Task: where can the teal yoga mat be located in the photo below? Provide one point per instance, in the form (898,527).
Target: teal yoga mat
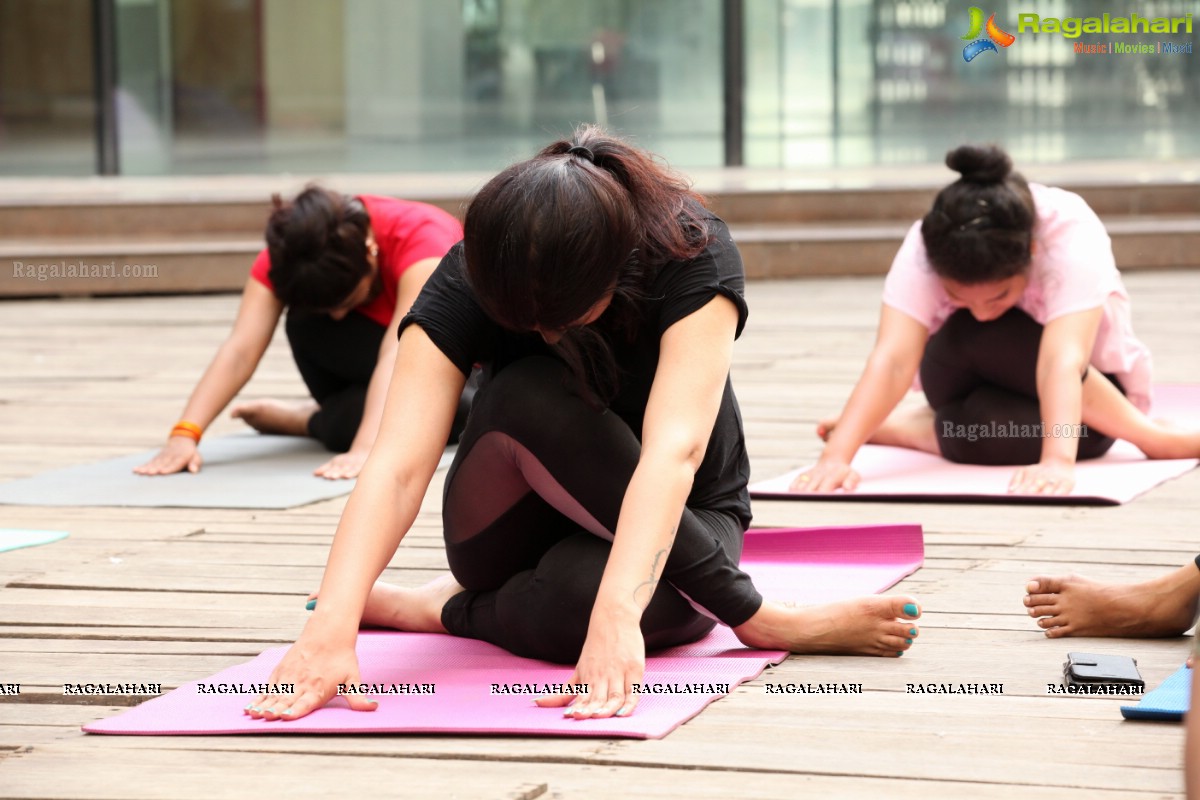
(16,538)
(1167,703)
(240,471)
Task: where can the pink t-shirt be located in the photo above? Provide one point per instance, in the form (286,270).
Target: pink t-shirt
(1072,269)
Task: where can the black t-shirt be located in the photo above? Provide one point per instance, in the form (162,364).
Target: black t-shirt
(448,312)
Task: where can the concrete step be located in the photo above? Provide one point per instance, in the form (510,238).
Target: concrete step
(104,216)
(912,203)
(175,235)
(824,250)
(125,266)
(145,265)
(141,218)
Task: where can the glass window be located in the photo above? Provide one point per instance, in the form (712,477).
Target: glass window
(318,86)
(314,87)
(47,105)
(854,82)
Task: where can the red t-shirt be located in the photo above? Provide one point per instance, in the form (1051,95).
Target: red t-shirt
(406,232)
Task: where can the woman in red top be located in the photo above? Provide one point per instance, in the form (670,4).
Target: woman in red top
(347,269)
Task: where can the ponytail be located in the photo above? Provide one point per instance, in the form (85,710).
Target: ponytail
(586,217)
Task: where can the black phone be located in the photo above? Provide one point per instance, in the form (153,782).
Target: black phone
(1088,671)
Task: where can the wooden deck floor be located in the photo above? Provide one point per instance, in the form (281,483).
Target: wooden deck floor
(171,595)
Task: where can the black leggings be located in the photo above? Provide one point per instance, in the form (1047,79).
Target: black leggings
(336,359)
(530,507)
(981,380)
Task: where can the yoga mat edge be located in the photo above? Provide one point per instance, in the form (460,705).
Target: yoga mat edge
(807,565)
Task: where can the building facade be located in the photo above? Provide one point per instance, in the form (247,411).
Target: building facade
(174,87)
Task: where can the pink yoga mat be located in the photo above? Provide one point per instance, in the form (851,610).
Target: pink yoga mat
(799,564)
(898,474)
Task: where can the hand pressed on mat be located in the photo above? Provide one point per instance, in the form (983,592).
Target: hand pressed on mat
(343,466)
(178,454)
(613,660)
(315,667)
(1046,478)
(826,476)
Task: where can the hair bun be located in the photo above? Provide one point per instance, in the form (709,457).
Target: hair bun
(980,164)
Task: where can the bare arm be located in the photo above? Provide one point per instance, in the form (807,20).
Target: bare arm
(387,497)
(421,401)
(1063,357)
(231,367)
(682,409)
(685,398)
(899,346)
(348,465)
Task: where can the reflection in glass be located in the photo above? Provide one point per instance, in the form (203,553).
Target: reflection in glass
(324,86)
(862,82)
(318,86)
(47,108)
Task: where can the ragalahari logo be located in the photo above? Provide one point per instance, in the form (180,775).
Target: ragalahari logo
(995,35)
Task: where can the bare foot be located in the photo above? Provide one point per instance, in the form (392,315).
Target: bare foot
(864,626)
(414,610)
(909,427)
(275,416)
(1075,606)
(905,427)
(1169,440)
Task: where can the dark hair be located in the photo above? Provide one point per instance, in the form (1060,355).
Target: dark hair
(318,248)
(981,226)
(549,237)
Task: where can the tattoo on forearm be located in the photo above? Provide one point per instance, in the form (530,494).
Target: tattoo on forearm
(644,591)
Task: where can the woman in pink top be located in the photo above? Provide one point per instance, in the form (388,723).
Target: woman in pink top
(346,269)
(1007,300)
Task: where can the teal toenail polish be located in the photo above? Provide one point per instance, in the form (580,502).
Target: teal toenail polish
(310,605)
(912,632)
(910,609)
(908,641)
(899,652)
(289,712)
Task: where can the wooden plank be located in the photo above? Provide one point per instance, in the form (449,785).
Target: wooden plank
(166,773)
(89,647)
(68,770)
(138,633)
(168,595)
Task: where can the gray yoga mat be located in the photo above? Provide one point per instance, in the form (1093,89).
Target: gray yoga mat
(241,471)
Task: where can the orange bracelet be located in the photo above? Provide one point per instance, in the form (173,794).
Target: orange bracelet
(188,429)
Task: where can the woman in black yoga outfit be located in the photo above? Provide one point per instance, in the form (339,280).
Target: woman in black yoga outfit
(604,451)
